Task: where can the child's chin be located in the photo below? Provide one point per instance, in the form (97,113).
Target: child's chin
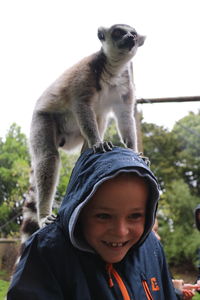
(114,259)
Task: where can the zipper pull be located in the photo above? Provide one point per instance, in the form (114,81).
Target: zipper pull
(122,287)
(110,281)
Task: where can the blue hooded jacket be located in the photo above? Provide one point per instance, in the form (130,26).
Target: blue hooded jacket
(57,264)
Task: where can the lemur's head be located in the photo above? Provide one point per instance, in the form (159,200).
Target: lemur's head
(120,40)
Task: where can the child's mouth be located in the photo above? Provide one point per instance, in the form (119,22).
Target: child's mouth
(115,245)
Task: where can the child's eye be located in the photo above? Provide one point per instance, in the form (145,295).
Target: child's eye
(103,216)
(136,216)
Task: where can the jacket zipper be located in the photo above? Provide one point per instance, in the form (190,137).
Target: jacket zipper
(111,271)
(147,290)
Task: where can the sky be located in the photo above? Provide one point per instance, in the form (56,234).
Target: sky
(42,38)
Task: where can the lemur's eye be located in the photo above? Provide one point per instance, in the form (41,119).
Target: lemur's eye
(118,33)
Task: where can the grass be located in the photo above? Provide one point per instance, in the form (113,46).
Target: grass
(3,289)
(196,297)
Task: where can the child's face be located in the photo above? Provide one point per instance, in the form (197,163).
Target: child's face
(114,219)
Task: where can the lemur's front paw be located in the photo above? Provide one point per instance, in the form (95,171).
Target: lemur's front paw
(102,147)
(145,159)
(47,220)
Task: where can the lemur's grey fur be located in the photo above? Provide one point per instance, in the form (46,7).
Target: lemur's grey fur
(74,110)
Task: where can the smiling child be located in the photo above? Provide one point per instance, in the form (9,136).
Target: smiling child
(101,246)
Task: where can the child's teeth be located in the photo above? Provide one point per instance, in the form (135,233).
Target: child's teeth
(115,244)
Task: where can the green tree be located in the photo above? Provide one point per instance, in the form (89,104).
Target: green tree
(162,148)
(187,132)
(14,174)
(180,238)
(174,159)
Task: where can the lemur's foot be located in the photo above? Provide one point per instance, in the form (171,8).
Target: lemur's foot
(145,158)
(102,147)
(47,220)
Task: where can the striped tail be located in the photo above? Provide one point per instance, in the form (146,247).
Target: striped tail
(30,220)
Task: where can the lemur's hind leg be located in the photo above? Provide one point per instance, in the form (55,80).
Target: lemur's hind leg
(46,174)
(46,163)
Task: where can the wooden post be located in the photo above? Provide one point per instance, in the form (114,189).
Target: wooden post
(138,130)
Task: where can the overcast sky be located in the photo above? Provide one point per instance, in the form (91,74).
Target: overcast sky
(41,38)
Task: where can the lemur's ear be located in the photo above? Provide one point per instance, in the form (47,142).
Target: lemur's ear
(141,39)
(101,33)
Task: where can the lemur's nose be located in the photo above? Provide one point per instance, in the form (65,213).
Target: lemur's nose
(130,36)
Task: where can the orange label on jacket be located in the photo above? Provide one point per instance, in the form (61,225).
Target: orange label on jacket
(154,284)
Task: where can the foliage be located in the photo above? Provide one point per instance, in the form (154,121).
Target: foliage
(180,238)
(3,289)
(187,132)
(175,160)
(161,147)
(14,165)
(14,173)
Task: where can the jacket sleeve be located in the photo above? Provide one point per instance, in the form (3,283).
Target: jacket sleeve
(33,279)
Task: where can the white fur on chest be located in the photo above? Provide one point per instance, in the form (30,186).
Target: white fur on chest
(112,94)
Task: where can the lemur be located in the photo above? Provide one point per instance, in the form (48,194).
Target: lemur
(75,110)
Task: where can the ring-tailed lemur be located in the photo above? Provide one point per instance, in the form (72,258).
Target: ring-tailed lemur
(74,110)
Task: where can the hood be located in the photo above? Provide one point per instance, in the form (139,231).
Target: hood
(90,171)
(197,216)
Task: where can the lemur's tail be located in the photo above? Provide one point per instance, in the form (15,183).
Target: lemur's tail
(30,219)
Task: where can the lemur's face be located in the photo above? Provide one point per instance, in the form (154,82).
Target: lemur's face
(124,37)
(120,39)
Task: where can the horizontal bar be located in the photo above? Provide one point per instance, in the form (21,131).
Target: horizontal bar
(167,100)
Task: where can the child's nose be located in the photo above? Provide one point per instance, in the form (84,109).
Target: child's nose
(120,228)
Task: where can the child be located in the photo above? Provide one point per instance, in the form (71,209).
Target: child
(101,246)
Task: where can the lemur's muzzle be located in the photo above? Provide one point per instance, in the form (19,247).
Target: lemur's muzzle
(127,42)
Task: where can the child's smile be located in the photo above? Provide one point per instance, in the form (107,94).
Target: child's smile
(114,219)
(115,244)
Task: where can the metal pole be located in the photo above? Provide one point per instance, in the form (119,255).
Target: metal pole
(167,100)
